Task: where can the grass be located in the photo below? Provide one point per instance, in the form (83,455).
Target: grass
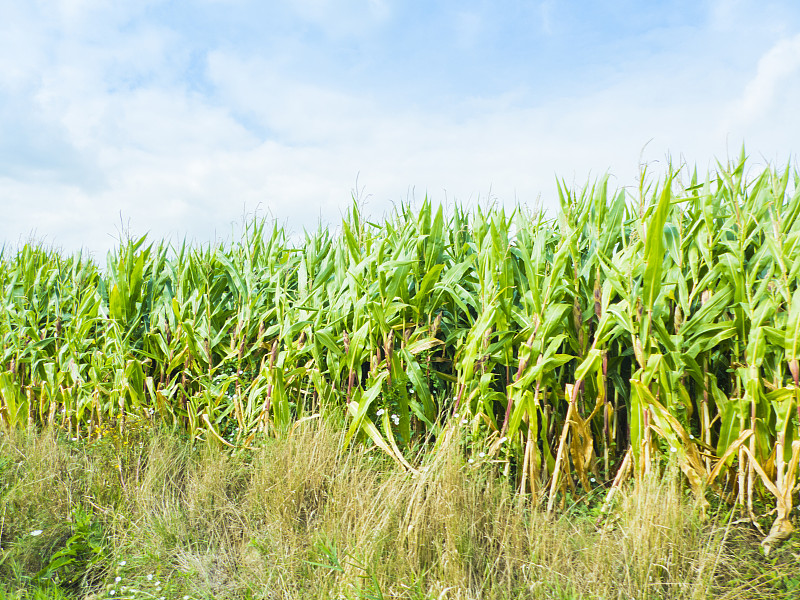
(299,517)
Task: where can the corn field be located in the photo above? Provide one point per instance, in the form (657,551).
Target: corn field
(637,327)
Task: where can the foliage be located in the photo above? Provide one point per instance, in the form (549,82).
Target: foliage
(299,517)
(73,566)
(632,327)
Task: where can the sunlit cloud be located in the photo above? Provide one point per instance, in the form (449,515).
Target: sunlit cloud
(777,70)
(179,120)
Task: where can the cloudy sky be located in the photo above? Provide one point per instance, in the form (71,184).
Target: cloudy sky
(176,118)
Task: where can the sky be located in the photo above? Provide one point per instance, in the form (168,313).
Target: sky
(181,120)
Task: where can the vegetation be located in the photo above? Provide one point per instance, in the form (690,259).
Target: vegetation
(298,518)
(634,331)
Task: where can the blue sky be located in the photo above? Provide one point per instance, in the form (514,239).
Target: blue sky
(177,118)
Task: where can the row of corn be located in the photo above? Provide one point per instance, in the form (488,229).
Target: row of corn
(659,323)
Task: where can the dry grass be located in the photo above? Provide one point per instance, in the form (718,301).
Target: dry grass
(299,518)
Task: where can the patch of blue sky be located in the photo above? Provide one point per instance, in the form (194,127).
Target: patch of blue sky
(431,54)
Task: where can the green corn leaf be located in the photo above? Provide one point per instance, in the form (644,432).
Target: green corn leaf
(589,364)
(792,336)
(654,247)
(361,403)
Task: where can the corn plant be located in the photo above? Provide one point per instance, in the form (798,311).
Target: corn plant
(631,329)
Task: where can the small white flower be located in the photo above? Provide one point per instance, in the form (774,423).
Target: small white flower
(380,412)
(482,454)
(503,439)
(241,372)
(691,437)
(395,419)
(673,449)
(186,598)
(149,577)
(122,563)
(36,532)
(112,592)
(592,480)
(117,579)
(463,421)
(471,460)
(74,439)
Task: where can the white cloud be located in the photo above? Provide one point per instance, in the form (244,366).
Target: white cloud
(319,139)
(295,111)
(177,163)
(23,48)
(126,135)
(762,112)
(777,70)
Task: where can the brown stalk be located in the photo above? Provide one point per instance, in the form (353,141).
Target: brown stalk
(572,391)
(621,472)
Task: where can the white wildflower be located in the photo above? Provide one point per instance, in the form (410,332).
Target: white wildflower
(36,532)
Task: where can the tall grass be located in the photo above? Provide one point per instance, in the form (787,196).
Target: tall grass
(632,327)
(299,518)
